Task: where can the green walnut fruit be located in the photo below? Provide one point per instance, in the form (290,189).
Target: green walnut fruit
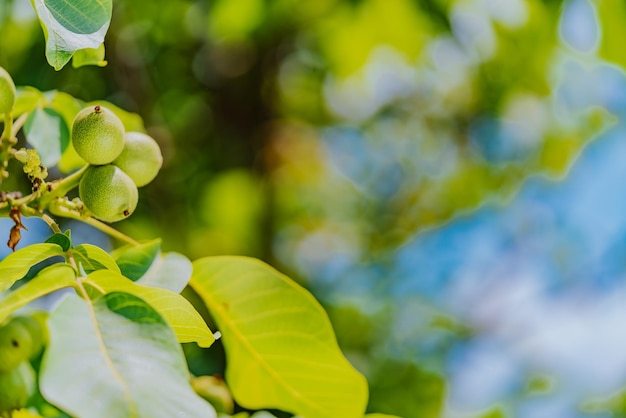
(15,345)
(215,391)
(108,193)
(97,135)
(16,387)
(7,91)
(141,158)
(37,331)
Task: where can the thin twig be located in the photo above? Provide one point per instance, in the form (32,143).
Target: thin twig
(18,123)
(67,213)
(109,230)
(51,223)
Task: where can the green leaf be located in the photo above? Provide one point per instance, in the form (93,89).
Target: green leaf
(170,271)
(61,240)
(26,100)
(93,258)
(116,357)
(375,415)
(89,56)
(70,26)
(134,261)
(47,281)
(181,316)
(281,349)
(68,107)
(47,132)
(15,266)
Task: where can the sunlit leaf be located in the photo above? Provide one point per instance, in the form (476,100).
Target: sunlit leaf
(15,266)
(26,100)
(47,281)
(47,132)
(94,258)
(116,357)
(186,322)
(67,105)
(170,271)
(281,349)
(72,25)
(89,56)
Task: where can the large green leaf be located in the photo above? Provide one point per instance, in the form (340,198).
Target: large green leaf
(15,266)
(281,349)
(116,357)
(186,322)
(170,271)
(47,281)
(71,25)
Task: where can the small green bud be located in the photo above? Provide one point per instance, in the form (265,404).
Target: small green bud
(21,156)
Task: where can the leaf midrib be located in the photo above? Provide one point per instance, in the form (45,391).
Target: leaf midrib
(107,358)
(218,310)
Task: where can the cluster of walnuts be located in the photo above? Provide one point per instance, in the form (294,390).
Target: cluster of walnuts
(120,162)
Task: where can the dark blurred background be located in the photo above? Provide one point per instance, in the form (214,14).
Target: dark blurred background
(446,176)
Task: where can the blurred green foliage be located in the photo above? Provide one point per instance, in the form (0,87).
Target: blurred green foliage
(346,125)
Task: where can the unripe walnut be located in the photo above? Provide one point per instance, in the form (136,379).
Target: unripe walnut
(36,330)
(15,345)
(7,91)
(108,193)
(214,390)
(16,386)
(141,158)
(97,135)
